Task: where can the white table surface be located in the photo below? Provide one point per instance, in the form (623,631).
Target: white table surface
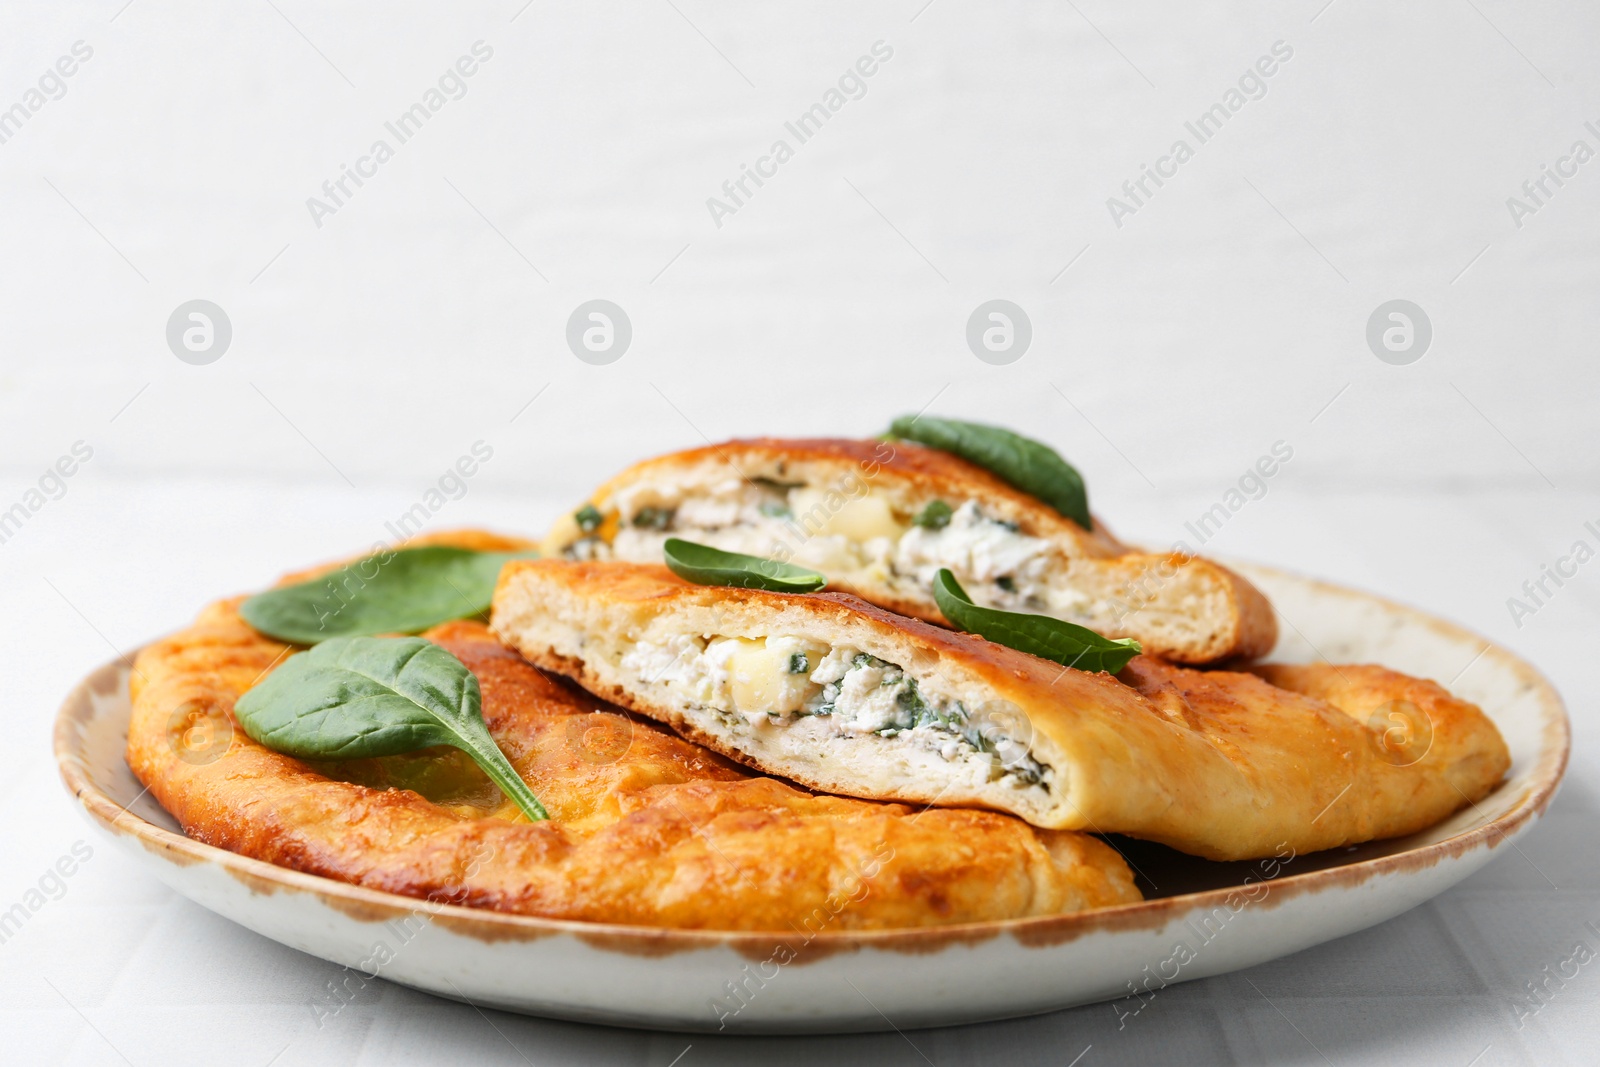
(120,965)
(1168,354)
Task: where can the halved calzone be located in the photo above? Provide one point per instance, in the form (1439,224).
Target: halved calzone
(880,518)
(843,696)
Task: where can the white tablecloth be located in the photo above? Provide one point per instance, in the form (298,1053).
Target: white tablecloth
(1171,347)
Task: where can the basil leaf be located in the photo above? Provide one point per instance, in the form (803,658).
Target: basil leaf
(1029,465)
(411,590)
(705,565)
(1061,642)
(356,697)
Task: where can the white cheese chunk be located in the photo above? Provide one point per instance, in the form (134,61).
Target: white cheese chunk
(769,676)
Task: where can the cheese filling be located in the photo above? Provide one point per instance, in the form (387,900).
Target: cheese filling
(846,535)
(793,693)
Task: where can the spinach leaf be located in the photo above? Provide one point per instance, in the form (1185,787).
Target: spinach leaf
(399,591)
(356,697)
(1029,465)
(705,565)
(1038,635)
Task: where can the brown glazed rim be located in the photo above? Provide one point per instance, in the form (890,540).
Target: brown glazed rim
(370,905)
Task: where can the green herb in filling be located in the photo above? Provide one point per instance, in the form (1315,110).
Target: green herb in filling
(588,518)
(936,516)
(799,663)
(653,518)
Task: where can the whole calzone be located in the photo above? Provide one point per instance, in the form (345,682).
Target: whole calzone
(645,828)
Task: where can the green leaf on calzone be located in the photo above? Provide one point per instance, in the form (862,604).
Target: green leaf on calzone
(1061,642)
(705,565)
(1031,466)
(396,591)
(359,697)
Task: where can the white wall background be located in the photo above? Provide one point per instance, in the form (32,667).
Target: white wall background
(367,354)
(406,327)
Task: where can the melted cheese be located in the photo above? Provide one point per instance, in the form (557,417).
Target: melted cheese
(858,518)
(760,678)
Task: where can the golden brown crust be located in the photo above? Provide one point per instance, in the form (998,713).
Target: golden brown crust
(1216,763)
(1255,628)
(645,828)
(1347,752)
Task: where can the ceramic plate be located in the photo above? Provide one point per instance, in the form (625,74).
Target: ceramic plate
(1200,918)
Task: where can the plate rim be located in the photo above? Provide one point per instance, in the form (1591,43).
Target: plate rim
(374,905)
